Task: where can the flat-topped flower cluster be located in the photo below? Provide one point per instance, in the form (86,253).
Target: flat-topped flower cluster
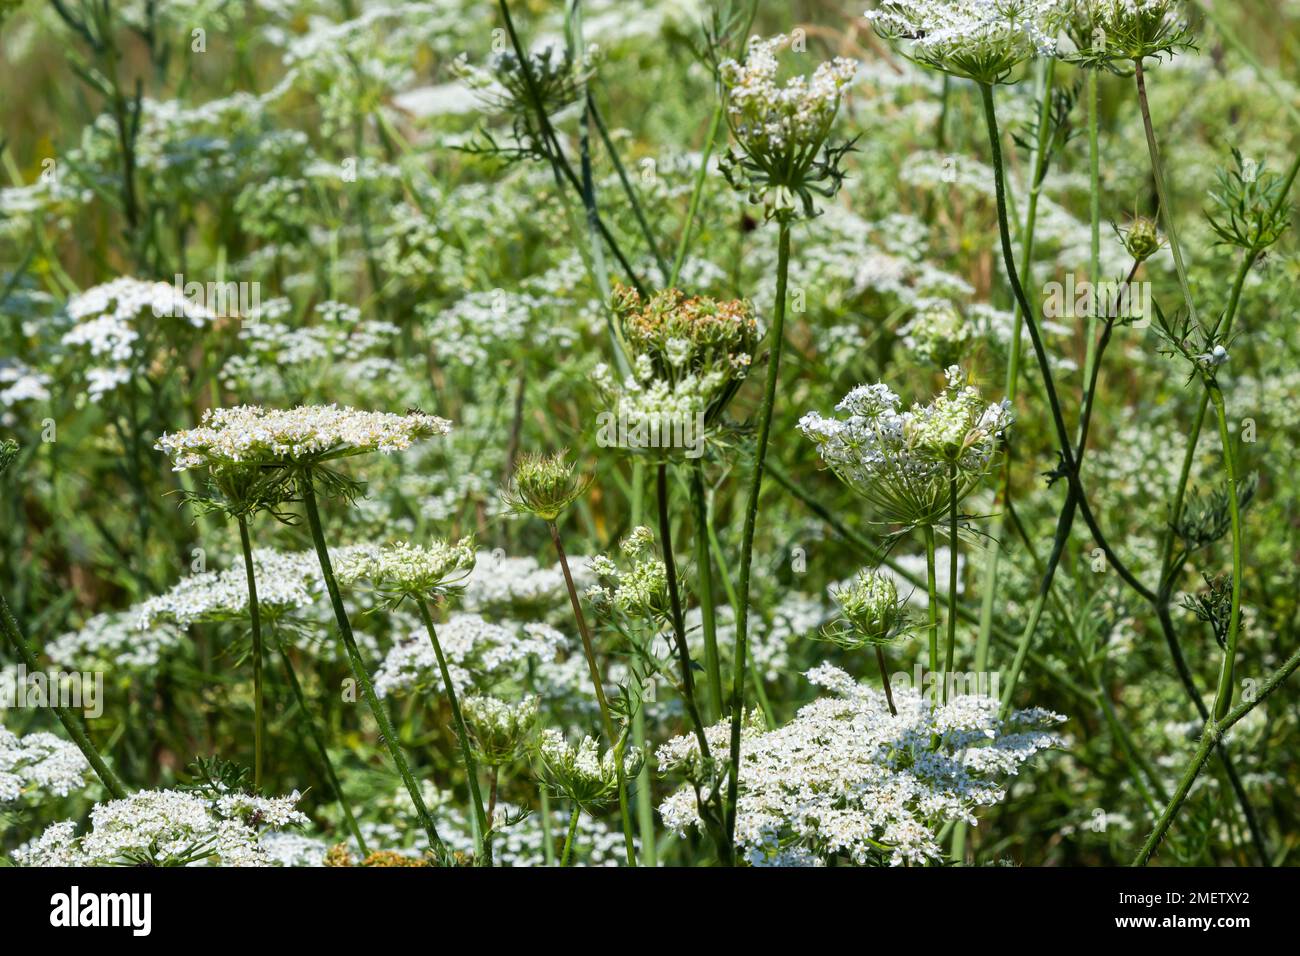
(845,778)
(981,40)
(252,435)
(39,764)
(167,828)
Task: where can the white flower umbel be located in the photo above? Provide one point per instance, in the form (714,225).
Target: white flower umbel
(477,651)
(414,570)
(847,779)
(287,581)
(902,461)
(980,40)
(781,129)
(582,773)
(166,828)
(114,642)
(309,434)
(108,326)
(499,730)
(38,765)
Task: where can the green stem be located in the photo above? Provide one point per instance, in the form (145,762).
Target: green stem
(1162,192)
(1213,733)
(1223,698)
(675,605)
(359,671)
(952,576)
(462,734)
(569,840)
(606,721)
(255,616)
(697,191)
(78,734)
(932,593)
(644,805)
(751,517)
(314,732)
(712,669)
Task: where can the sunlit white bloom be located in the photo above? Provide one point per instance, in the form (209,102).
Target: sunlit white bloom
(39,764)
(249,434)
(845,778)
(903,462)
(477,650)
(166,828)
(982,40)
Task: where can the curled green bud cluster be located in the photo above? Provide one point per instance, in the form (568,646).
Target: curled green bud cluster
(8,453)
(500,732)
(871,613)
(544,486)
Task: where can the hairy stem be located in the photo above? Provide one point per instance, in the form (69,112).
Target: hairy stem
(484,855)
(751,518)
(255,616)
(359,671)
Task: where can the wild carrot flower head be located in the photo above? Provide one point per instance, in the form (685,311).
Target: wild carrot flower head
(938,334)
(846,778)
(870,612)
(407,570)
(638,588)
(306,435)
(903,462)
(500,732)
(782,129)
(583,774)
(690,355)
(544,486)
(980,40)
(168,828)
(1111,34)
(39,765)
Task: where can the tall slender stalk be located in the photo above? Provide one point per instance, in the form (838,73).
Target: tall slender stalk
(1162,191)
(607,722)
(932,600)
(952,577)
(588,650)
(675,604)
(1210,738)
(751,517)
(78,734)
(1223,697)
(255,617)
(295,686)
(359,671)
(484,855)
(645,814)
(704,569)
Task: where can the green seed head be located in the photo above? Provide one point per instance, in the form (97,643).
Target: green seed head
(544,485)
